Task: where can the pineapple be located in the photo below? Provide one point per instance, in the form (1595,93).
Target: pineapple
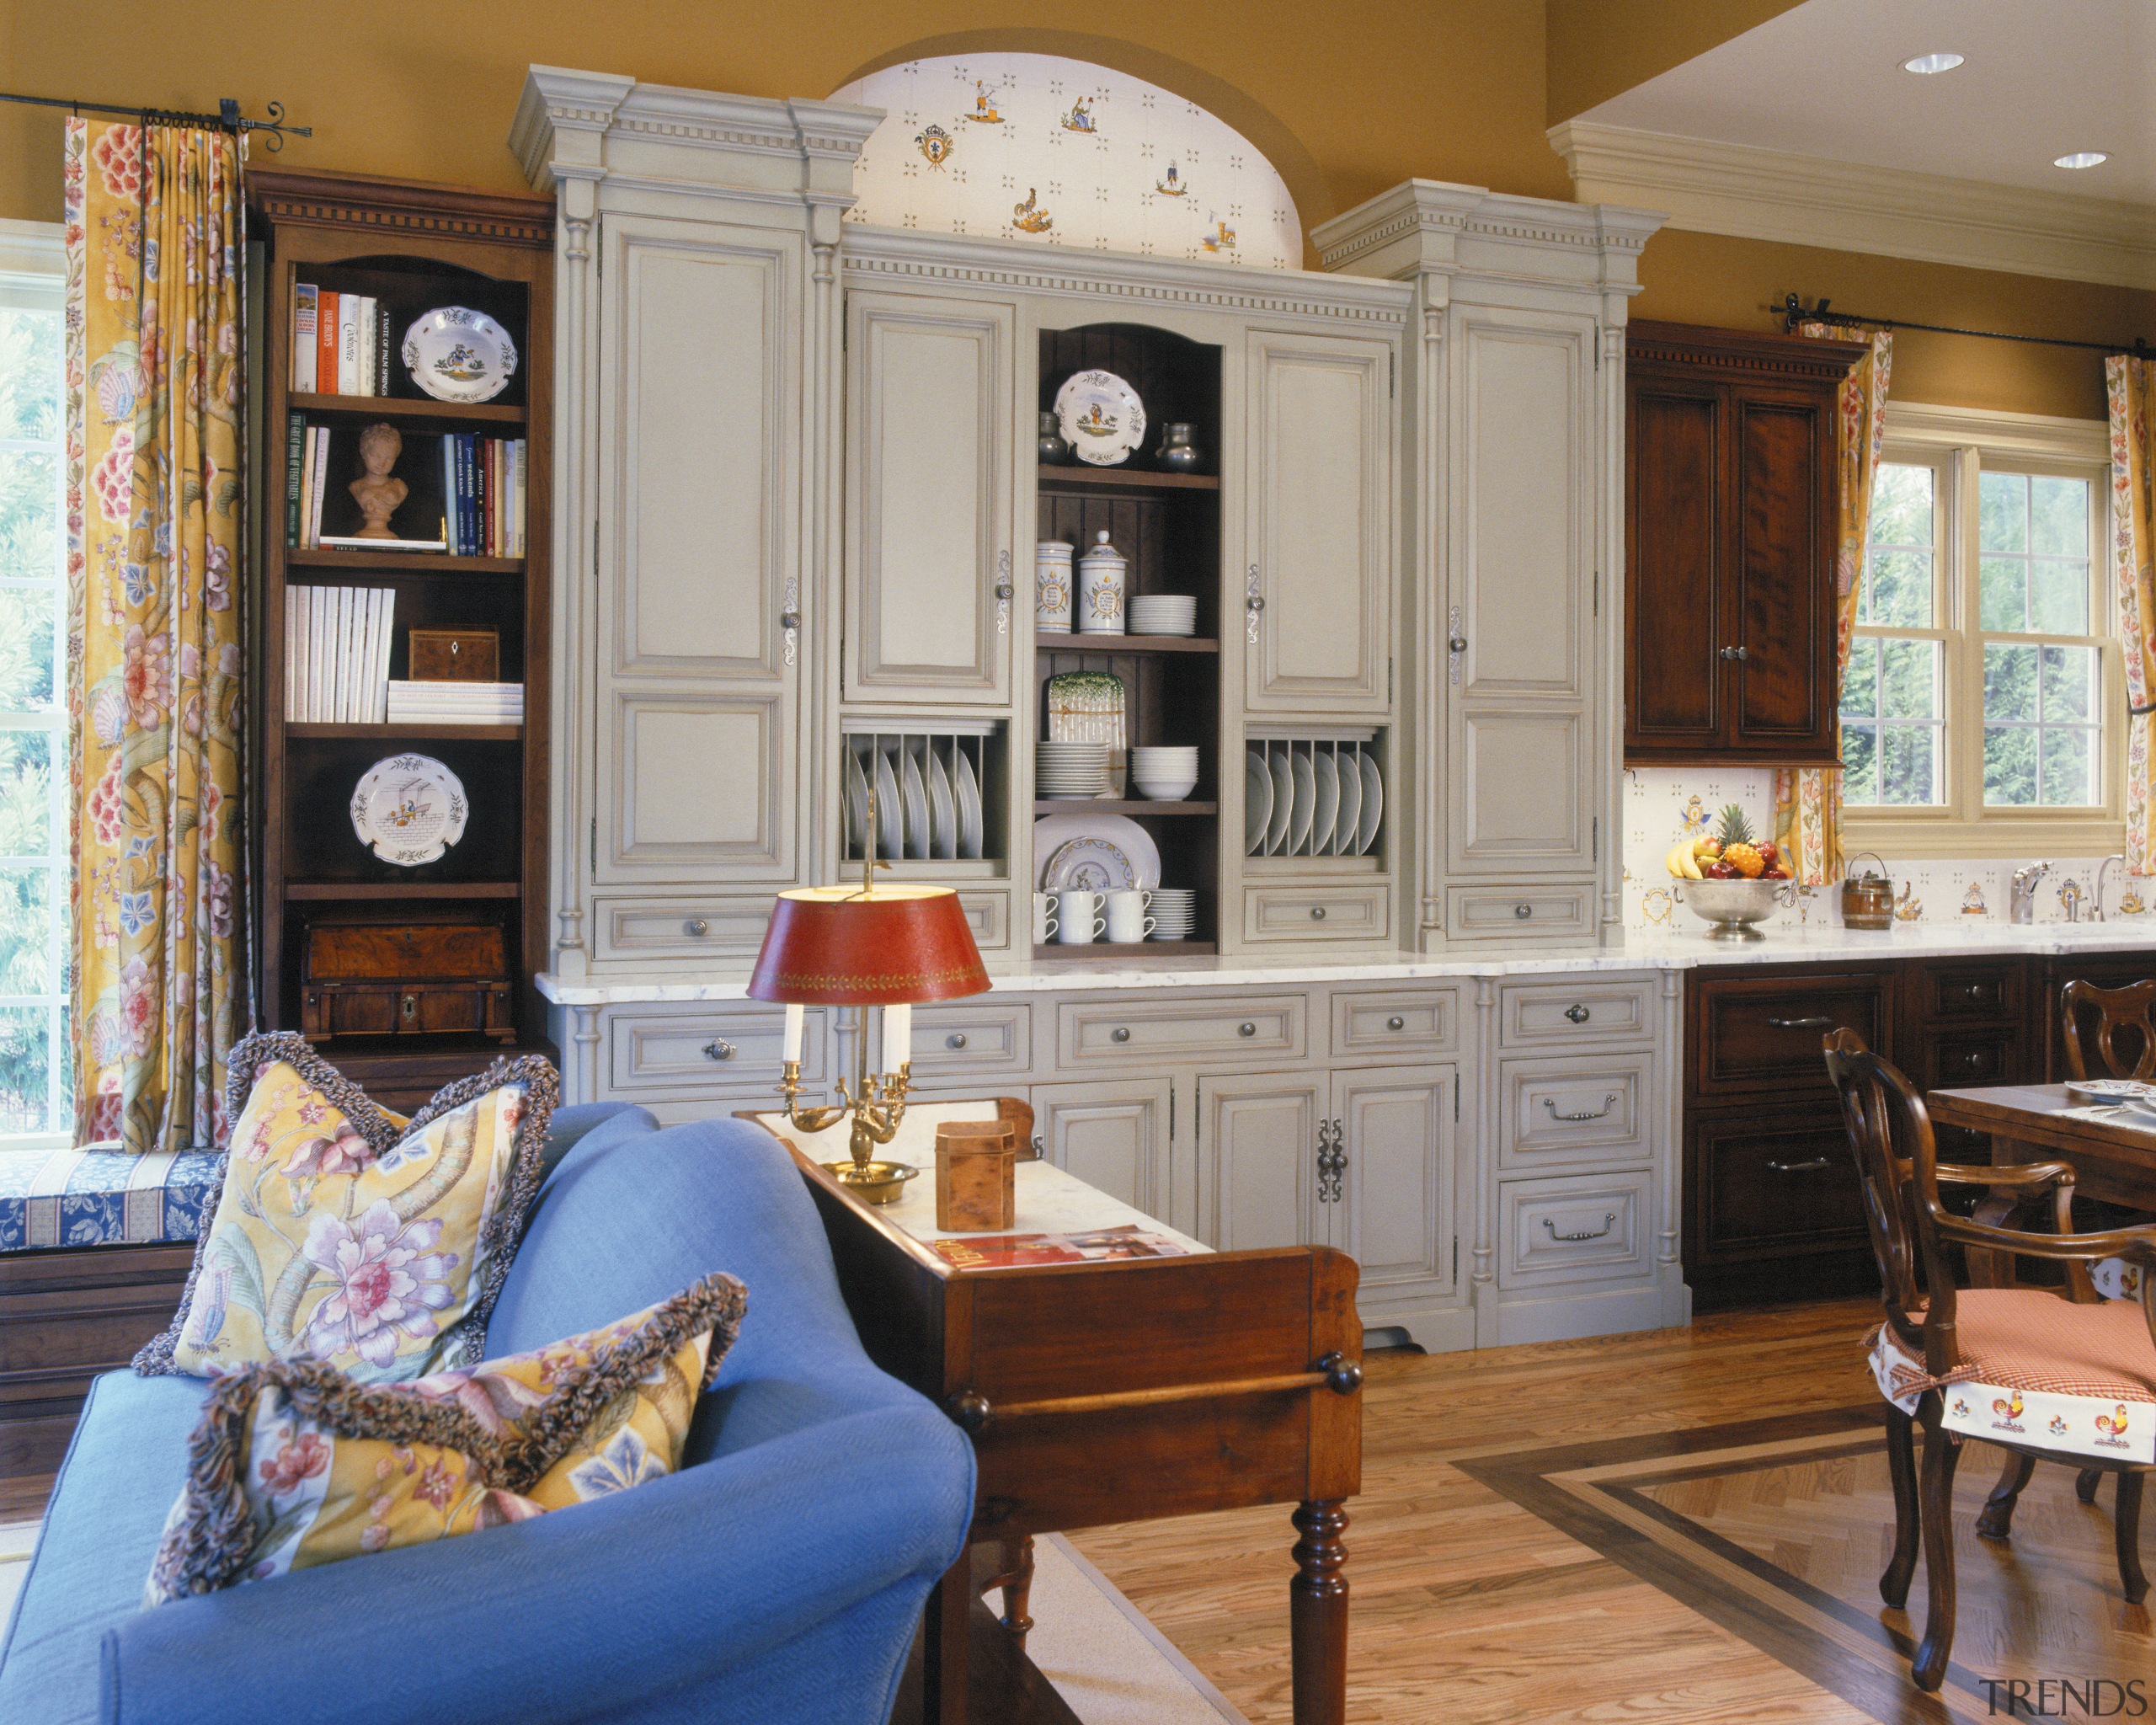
(1738,849)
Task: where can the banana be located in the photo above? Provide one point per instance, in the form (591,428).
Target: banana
(1674,862)
(1692,869)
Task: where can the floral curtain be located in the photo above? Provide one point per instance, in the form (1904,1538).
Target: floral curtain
(154,521)
(2129,385)
(1808,799)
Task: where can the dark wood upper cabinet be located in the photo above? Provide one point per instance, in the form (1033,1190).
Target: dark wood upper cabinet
(1731,498)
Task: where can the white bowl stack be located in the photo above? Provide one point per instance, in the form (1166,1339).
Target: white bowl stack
(1175,913)
(1162,614)
(1072,770)
(1165,775)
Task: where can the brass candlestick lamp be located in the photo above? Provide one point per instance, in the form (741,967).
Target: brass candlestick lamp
(887,946)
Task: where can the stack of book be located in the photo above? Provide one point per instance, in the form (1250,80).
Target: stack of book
(457,703)
(337,653)
(482,483)
(340,343)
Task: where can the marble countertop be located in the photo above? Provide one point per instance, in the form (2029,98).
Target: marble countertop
(1674,950)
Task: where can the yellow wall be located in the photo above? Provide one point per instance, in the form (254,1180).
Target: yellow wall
(1348,96)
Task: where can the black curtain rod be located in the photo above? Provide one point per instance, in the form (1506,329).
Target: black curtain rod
(226,119)
(1794,312)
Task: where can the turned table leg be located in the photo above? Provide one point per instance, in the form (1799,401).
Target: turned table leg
(944,1675)
(1013,1571)
(1317,1618)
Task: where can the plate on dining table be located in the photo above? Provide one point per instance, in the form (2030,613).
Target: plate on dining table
(2112,1092)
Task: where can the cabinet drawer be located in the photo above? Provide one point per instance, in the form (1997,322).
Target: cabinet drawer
(680,928)
(1767,1033)
(1952,1061)
(1533,1015)
(1097,1033)
(1422,1020)
(1317,913)
(700,1047)
(1982,993)
(1579,1110)
(1519,913)
(994,1038)
(989,916)
(1590,1228)
(1784,1182)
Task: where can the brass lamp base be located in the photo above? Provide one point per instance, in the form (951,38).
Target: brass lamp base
(872,1182)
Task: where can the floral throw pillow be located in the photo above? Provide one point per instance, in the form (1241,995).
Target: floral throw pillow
(345,1234)
(294,1464)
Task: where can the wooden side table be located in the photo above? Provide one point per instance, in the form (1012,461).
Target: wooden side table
(1104,1393)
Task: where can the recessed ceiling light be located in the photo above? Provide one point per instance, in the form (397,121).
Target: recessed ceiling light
(1926,64)
(2082,159)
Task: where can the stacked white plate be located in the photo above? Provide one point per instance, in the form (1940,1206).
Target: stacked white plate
(1162,614)
(1071,769)
(1174,912)
(1166,775)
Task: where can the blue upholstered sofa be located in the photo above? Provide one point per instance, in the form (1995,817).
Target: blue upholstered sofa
(778,1577)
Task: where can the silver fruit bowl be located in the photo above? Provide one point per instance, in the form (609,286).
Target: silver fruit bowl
(1731,907)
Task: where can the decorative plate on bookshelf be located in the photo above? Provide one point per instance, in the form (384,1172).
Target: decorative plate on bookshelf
(409,809)
(456,354)
(1100,416)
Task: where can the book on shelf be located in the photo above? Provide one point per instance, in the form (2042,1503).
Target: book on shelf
(347,343)
(319,466)
(455,703)
(482,496)
(325,342)
(341,342)
(304,297)
(295,474)
(339,541)
(337,653)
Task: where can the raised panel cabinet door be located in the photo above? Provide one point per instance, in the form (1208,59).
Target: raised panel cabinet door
(1257,1154)
(1114,1136)
(1673,624)
(1318,515)
(1784,566)
(1391,1205)
(931,608)
(698,552)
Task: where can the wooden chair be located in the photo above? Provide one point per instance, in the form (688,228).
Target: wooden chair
(1971,1363)
(2132,1007)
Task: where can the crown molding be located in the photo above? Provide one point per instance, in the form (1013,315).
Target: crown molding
(1435,226)
(1709,187)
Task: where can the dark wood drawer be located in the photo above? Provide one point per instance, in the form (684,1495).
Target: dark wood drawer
(1775,1183)
(1766,1034)
(1944,994)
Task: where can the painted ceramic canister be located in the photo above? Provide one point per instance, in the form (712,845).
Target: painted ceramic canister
(1101,588)
(1052,585)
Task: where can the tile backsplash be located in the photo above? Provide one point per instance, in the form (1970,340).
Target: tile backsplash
(1662,805)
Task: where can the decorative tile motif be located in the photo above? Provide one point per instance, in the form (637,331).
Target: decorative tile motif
(1068,153)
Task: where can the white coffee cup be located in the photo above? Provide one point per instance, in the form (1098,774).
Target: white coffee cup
(1078,917)
(1045,922)
(1126,920)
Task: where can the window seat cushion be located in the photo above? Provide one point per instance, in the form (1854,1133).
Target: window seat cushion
(103,1196)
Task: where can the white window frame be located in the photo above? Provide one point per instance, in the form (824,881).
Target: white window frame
(34,275)
(1956,442)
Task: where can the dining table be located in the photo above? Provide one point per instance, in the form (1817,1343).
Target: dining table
(2113,1149)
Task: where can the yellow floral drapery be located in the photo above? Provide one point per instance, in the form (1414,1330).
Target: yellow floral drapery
(154,506)
(1808,799)
(2130,388)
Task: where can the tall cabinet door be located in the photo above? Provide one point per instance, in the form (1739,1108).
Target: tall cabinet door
(930,611)
(1112,1135)
(1520,677)
(1257,1148)
(699,553)
(1674,630)
(1317,523)
(1783,561)
(1393,1207)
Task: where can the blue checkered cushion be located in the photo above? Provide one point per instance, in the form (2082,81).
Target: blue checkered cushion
(102,1197)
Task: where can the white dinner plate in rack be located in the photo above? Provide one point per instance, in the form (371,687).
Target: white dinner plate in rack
(890,812)
(1257,802)
(944,807)
(1349,826)
(856,804)
(1305,805)
(1326,824)
(918,836)
(1052,832)
(1284,802)
(1373,805)
(969,811)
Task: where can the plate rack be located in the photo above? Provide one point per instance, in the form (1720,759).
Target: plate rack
(1302,803)
(948,776)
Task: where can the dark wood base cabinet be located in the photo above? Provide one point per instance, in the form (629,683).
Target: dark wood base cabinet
(1771,1201)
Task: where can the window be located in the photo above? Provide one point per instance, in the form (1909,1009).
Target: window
(35,1069)
(1981,710)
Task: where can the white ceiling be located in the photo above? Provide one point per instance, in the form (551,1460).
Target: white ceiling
(2041,77)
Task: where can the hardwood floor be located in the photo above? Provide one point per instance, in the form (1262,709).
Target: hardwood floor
(1467,1607)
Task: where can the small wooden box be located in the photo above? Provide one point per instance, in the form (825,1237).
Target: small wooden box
(455,656)
(388,979)
(975,1176)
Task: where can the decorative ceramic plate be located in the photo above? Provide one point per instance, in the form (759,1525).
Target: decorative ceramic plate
(409,809)
(1257,803)
(1106,838)
(456,353)
(2110,1090)
(1373,805)
(1101,417)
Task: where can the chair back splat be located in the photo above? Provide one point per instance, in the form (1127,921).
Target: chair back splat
(2085,1009)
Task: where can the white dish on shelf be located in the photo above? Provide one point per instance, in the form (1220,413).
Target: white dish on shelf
(1306,805)
(410,810)
(1283,801)
(1372,804)
(1326,824)
(856,804)
(890,812)
(1100,418)
(919,838)
(944,807)
(969,811)
(456,354)
(1348,828)
(1117,833)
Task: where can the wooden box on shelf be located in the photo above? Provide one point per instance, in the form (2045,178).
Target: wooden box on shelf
(454,656)
(384,978)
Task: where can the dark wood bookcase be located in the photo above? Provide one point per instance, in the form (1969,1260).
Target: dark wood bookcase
(413,247)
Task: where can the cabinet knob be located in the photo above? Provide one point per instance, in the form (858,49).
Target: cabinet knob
(1004,590)
(1120,1033)
(1317,913)
(1974,1060)
(1458,643)
(1395,1023)
(721,1050)
(697,926)
(789,619)
(1577,1013)
(1974,991)
(957,1039)
(1524,911)
(1245,1029)
(1736,653)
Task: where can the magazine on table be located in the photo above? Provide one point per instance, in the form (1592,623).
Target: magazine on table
(996,1251)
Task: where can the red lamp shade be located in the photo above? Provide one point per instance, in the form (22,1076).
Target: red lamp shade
(843,946)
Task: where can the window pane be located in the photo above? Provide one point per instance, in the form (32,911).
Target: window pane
(25,1060)
(1898,590)
(2011,766)
(26,683)
(29,515)
(2058,595)
(26,932)
(1908,763)
(30,375)
(2002,512)
(25,794)
(1908,682)
(2058,516)
(2002,594)
(2010,683)
(1901,505)
(2069,766)
(2068,683)
(1859,762)
(1861,679)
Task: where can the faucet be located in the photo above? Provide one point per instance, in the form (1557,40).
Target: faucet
(2022,903)
(2069,898)
(2096,912)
